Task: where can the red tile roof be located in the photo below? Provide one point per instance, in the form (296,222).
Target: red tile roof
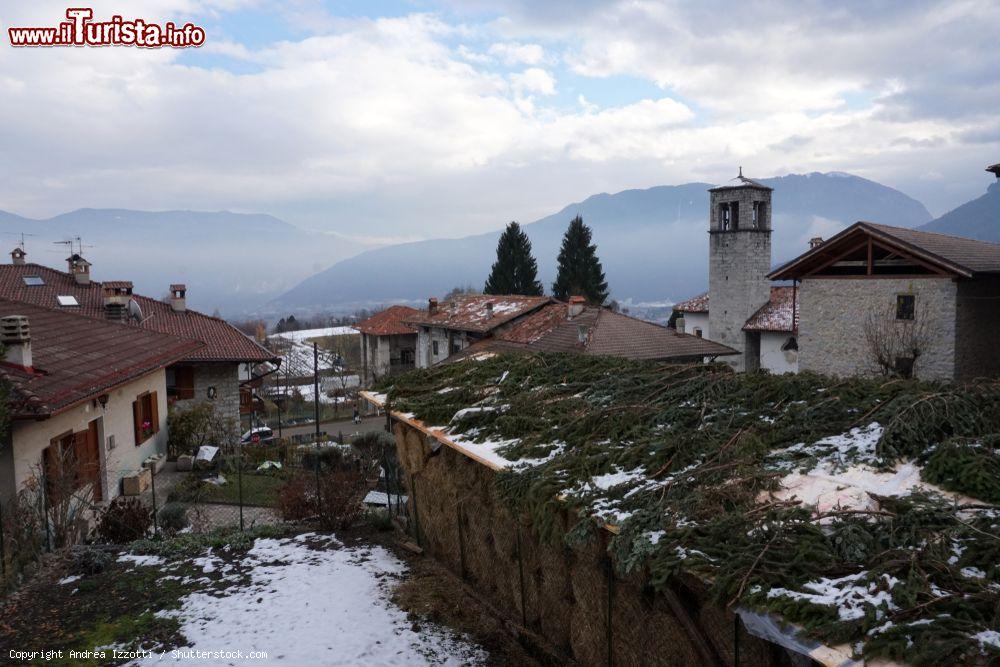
(76,358)
(390,321)
(471,312)
(599,331)
(781,313)
(697,304)
(222,341)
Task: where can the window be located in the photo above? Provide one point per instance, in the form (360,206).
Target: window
(32,281)
(790,344)
(65,300)
(904,367)
(734,213)
(905,304)
(146,417)
(180,382)
(434,348)
(724,220)
(697,332)
(71,462)
(758,214)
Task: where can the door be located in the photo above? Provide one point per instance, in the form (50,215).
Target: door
(89,459)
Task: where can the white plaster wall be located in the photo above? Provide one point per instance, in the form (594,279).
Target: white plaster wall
(29,438)
(773,358)
(694,321)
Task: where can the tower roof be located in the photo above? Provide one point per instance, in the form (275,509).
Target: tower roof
(740,181)
(995,168)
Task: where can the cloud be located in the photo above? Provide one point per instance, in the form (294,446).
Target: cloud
(421,126)
(514,53)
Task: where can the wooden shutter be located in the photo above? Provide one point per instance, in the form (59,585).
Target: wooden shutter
(137,421)
(154,412)
(184,382)
(82,468)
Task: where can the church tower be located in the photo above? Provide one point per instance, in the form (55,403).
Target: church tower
(738,264)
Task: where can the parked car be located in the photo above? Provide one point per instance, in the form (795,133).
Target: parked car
(264,432)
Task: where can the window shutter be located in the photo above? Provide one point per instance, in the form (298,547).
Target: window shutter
(154,412)
(83,470)
(137,421)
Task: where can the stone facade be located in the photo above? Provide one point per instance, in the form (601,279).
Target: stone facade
(739,261)
(977,328)
(447,343)
(834,312)
(383,355)
(224,377)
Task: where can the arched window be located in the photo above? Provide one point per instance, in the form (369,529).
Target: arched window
(790,344)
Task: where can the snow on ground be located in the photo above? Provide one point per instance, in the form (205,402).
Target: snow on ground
(850,598)
(311,600)
(310,334)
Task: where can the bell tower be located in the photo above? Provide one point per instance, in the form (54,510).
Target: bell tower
(739,261)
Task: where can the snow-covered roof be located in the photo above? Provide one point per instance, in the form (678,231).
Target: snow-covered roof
(781,313)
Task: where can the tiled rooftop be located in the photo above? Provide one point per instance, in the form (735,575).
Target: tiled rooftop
(76,358)
(222,341)
(471,312)
(391,321)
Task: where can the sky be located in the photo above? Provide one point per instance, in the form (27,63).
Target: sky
(403,119)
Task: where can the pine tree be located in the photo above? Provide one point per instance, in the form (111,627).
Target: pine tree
(580,272)
(515,271)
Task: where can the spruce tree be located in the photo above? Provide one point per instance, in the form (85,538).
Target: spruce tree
(580,272)
(515,271)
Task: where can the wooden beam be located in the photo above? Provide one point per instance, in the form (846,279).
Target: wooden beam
(870,262)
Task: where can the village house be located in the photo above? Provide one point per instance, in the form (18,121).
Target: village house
(388,343)
(85,392)
(575,327)
(210,373)
(872,299)
(444,330)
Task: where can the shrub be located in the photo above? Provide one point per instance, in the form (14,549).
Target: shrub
(87,559)
(173,517)
(126,519)
(297,497)
(190,428)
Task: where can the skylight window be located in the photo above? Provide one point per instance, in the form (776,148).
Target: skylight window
(67,300)
(33,280)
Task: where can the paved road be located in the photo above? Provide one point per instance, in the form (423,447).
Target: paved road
(332,428)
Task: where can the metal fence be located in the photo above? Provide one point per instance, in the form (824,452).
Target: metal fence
(331,482)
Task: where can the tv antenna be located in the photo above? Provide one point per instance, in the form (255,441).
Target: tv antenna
(74,245)
(21,235)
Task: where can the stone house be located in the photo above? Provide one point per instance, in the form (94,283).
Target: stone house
(575,327)
(444,330)
(741,308)
(82,392)
(210,373)
(388,343)
(876,298)
(872,299)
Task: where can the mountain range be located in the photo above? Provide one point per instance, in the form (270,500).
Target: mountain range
(232,262)
(652,243)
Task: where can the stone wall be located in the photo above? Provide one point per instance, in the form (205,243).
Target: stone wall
(832,323)
(225,378)
(570,601)
(977,329)
(737,284)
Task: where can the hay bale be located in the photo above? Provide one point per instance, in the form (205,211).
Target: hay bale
(588,619)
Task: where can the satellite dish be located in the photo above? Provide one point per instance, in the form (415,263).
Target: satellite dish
(134,311)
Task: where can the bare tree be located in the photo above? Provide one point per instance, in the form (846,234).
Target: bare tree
(895,344)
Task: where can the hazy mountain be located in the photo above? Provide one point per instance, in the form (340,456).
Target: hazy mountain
(653,243)
(977,219)
(230,261)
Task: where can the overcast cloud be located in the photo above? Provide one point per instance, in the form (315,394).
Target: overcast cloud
(420,119)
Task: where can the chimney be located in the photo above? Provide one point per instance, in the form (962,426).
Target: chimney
(178,300)
(80,268)
(16,338)
(432,306)
(116,295)
(575,307)
(489,309)
(679,324)
(17,256)
(815,242)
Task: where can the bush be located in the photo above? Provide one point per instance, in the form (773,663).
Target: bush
(126,519)
(173,517)
(86,559)
(297,498)
(190,428)
(328,457)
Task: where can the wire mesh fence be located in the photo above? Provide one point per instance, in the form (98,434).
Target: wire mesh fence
(329,482)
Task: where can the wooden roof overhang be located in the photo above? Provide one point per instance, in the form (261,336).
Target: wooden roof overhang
(864,251)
